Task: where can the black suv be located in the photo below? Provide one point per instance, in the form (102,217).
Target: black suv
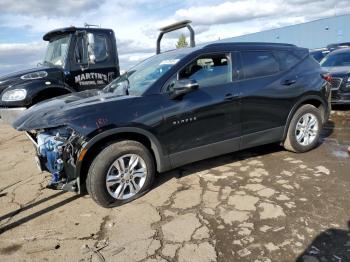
(177,108)
(337,64)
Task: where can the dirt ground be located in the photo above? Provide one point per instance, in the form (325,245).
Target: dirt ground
(262,204)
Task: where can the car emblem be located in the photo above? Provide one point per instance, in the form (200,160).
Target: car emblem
(185,121)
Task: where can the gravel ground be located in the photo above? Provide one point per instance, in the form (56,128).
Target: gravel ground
(262,204)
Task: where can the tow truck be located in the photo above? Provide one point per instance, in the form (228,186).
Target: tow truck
(76,59)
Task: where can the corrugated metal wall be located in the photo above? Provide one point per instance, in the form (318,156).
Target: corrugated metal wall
(313,34)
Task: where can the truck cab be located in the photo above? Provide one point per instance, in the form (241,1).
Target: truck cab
(76,59)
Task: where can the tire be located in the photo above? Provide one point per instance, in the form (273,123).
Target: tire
(304,114)
(107,165)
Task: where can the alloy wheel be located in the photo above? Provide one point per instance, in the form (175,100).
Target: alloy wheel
(126,176)
(307,129)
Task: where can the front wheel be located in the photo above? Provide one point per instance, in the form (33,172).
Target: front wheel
(304,129)
(120,173)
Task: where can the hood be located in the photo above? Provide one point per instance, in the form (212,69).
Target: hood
(66,110)
(338,70)
(15,78)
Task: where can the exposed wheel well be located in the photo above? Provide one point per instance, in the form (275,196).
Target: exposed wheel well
(315,102)
(101,144)
(49,93)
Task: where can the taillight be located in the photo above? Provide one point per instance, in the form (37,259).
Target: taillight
(327,77)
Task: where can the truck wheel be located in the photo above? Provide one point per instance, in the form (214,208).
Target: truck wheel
(120,173)
(304,129)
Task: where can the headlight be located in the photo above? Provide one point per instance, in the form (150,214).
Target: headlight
(34,75)
(14,95)
(347,86)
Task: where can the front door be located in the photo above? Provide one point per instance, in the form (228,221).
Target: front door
(205,122)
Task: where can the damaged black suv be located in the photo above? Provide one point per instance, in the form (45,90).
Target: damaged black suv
(177,108)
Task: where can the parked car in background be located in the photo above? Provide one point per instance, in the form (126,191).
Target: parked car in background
(332,47)
(337,63)
(319,53)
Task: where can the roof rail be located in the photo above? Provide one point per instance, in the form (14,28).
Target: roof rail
(173,27)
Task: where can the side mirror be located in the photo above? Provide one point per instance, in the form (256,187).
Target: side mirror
(183,87)
(90,39)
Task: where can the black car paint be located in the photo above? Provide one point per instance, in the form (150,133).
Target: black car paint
(204,123)
(61,80)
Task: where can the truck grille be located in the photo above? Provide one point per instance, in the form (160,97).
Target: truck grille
(336,83)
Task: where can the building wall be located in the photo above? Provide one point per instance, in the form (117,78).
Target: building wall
(313,34)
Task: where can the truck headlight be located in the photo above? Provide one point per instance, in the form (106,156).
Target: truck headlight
(34,75)
(14,95)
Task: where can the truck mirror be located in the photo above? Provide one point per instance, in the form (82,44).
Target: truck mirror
(91,48)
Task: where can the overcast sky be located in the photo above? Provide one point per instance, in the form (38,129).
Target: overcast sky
(135,22)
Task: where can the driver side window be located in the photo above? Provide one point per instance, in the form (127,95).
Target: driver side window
(207,70)
(100,49)
(80,51)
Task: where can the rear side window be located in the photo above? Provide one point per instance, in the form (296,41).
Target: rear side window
(259,63)
(100,48)
(287,59)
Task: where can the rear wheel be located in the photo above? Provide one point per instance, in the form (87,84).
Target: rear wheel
(304,129)
(120,173)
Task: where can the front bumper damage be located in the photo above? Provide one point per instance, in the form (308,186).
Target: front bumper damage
(57,151)
(9,115)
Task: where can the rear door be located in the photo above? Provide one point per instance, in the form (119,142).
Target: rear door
(267,91)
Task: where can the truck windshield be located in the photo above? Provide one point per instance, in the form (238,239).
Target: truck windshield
(56,50)
(140,77)
(339,59)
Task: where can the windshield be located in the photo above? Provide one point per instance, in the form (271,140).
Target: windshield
(56,50)
(339,59)
(139,78)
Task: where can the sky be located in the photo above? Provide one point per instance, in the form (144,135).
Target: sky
(136,22)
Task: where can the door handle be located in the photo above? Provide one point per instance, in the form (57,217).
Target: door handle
(230,96)
(289,82)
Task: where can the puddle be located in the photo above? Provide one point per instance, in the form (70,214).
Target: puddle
(340,153)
